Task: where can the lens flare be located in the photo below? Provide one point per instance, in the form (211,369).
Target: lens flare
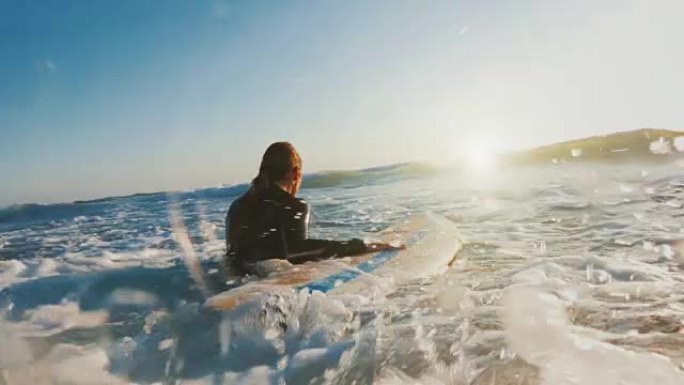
(476,154)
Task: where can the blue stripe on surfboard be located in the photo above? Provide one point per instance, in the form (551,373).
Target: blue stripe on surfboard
(330,282)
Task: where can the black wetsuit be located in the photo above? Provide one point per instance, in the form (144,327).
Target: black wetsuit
(274,224)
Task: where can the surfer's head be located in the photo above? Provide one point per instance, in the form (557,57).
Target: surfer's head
(280,165)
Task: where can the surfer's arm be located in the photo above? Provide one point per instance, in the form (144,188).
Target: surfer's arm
(301,248)
(317,249)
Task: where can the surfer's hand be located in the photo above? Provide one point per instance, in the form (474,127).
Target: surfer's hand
(377,246)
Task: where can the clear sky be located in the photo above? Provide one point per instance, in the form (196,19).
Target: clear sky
(103,98)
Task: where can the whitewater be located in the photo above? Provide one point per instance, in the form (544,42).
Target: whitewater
(571,274)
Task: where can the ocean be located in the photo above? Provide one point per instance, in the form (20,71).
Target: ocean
(571,274)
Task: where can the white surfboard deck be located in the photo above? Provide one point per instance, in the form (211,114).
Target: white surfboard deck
(431,240)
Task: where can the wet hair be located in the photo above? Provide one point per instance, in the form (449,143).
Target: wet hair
(280,159)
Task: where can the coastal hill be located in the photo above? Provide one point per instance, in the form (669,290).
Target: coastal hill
(647,144)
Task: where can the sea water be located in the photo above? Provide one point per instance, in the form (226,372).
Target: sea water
(571,274)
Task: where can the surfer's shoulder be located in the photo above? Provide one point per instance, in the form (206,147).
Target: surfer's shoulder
(238,207)
(237,203)
(299,204)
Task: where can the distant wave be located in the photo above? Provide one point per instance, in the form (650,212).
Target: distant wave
(31,212)
(369,175)
(40,212)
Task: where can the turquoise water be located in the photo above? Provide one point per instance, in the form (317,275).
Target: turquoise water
(572,274)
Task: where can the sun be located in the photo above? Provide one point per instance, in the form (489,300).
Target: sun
(477,154)
(480,158)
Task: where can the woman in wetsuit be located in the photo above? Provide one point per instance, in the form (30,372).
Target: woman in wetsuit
(269,222)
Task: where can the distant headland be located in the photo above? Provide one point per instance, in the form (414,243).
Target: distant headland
(647,144)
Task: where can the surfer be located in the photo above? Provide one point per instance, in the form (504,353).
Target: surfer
(270,222)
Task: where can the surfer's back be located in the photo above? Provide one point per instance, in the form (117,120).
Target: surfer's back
(260,225)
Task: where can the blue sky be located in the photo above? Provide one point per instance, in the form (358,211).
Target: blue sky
(103,98)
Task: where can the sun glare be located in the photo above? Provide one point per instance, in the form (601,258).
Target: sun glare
(477,154)
(477,158)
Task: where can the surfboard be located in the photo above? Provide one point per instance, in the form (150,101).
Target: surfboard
(431,241)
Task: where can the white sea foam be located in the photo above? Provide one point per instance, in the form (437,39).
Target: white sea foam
(55,318)
(538,329)
(10,272)
(65,364)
